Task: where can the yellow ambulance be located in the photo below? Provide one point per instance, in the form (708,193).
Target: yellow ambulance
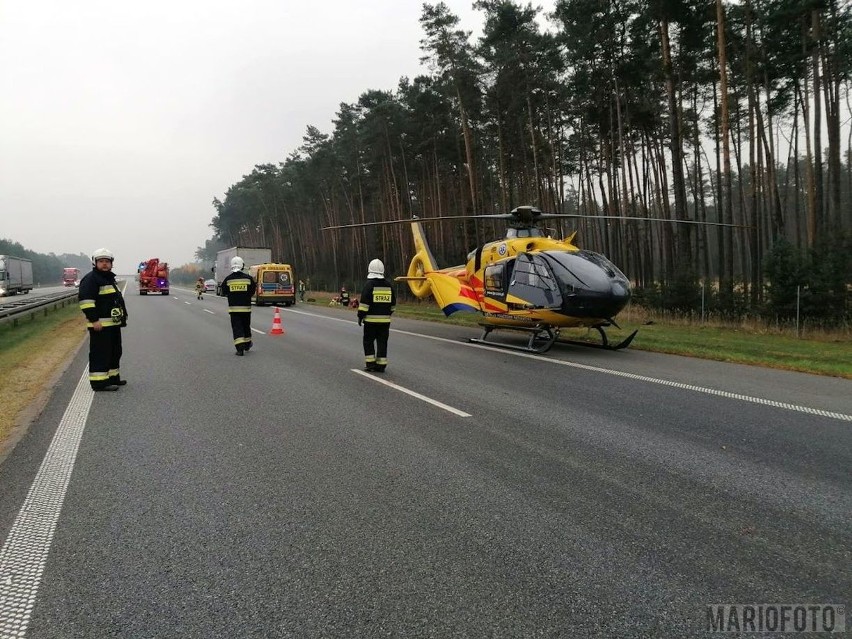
(275,284)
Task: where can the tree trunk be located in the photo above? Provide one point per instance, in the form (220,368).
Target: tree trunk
(676,146)
(726,284)
(468,151)
(818,183)
(534,147)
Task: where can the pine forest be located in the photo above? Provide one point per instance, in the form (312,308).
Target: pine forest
(732,112)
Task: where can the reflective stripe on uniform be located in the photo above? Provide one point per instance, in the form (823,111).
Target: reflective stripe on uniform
(239,309)
(107,290)
(98,377)
(106,321)
(382,361)
(382,294)
(378,319)
(113,372)
(238,285)
(370,359)
(242,340)
(363,307)
(84,304)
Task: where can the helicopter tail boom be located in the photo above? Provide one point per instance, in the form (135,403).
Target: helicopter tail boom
(451,292)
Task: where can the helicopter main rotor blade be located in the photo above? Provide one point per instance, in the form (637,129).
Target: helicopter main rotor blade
(532,221)
(496,216)
(628,218)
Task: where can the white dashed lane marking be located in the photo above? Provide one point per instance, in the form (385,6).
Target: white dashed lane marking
(407,391)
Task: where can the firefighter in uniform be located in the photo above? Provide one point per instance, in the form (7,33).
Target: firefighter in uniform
(378,301)
(106,314)
(239,287)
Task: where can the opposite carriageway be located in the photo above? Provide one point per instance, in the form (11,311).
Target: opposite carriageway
(15,310)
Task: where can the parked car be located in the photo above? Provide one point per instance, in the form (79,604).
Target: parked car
(210,286)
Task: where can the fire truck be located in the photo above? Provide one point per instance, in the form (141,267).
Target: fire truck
(70,276)
(153,277)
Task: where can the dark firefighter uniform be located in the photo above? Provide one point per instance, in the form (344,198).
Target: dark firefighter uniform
(239,287)
(378,301)
(100,300)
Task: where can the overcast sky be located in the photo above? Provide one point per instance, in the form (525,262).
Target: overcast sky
(120,122)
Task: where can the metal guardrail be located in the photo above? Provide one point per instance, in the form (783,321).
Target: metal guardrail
(15,311)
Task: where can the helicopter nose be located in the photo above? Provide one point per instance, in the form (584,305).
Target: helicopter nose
(621,290)
(604,301)
(593,286)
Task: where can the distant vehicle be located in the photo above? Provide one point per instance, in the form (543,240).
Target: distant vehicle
(71,277)
(274,284)
(153,277)
(210,286)
(251,256)
(16,275)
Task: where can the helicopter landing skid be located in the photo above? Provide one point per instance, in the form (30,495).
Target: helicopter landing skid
(604,341)
(541,339)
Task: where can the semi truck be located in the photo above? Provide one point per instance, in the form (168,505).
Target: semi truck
(250,255)
(154,277)
(70,276)
(16,275)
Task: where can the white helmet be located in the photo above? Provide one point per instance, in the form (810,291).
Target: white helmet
(237,264)
(375,270)
(102,253)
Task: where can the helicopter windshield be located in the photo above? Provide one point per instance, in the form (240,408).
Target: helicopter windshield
(531,279)
(512,233)
(585,271)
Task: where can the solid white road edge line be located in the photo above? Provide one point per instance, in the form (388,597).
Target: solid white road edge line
(211,312)
(434,402)
(24,553)
(257,331)
(608,371)
(652,380)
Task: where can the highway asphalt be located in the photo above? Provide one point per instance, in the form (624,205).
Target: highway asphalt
(467,492)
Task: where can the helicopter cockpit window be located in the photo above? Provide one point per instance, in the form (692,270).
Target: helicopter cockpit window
(512,234)
(494,280)
(585,271)
(532,281)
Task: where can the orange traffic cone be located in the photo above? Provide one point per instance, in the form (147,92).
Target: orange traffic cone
(277,328)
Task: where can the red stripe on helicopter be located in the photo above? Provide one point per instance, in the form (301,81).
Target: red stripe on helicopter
(493,308)
(467,291)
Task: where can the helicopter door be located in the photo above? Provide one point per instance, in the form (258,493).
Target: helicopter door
(530,279)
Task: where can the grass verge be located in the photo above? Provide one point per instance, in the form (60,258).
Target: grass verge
(744,346)
(823,354)
(30,354)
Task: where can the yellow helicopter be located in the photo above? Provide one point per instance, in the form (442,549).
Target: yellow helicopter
(526,282)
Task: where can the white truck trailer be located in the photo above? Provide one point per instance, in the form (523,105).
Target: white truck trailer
(251,256)
(16,275)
